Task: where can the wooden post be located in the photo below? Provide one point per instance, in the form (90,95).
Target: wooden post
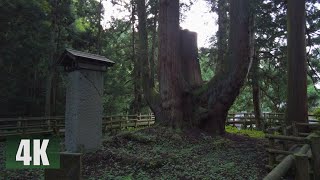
(295,129)
(126,125)
(149,119)
(49,124)
(110,122)
(284,132)
(315,149)
(55,128)
(272,158)
(281,170)
(302,166)
(19,124)
(23,124)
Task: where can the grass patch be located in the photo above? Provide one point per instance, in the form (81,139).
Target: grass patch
(247,132)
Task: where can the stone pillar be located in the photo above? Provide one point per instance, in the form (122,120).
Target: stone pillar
(83,116)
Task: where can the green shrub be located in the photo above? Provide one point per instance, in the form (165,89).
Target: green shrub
(316,113)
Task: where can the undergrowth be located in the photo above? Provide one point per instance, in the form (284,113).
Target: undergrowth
(163,153)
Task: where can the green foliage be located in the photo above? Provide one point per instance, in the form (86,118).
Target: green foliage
(247,132)
(206,64)
(316,112)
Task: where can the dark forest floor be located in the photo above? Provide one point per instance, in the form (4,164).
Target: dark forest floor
(161,153)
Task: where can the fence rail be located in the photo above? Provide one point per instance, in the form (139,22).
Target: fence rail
(55,125)
(303,157)
(47,125)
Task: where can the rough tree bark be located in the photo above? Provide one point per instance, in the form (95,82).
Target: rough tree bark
(297,109)
(169,63)
(136,104)
(190,78)
(224,87)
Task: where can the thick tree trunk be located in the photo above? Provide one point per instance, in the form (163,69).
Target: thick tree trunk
(189,59)
(191,76)
(153,46)
(297,109)
(225,87)
(169,63)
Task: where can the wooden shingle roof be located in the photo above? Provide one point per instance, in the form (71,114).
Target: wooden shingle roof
(71,54)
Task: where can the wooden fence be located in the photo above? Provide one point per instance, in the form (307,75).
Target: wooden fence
(55,125)
(48,125)
(294,153)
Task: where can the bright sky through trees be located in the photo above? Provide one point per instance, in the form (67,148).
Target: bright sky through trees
(198,18)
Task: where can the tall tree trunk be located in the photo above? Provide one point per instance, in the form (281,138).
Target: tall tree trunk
(169,63)
(256,91)
(153,46)
(150,94)
(222,36)
(297,109)
(137,101)
(225,87)
(255,74)
(50,87)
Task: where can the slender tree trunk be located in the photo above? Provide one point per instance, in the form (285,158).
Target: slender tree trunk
(99,27)
(256,92)
(51,63)
(254,74)
(137,101)
(150,94)
(222,36)
(297,110)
